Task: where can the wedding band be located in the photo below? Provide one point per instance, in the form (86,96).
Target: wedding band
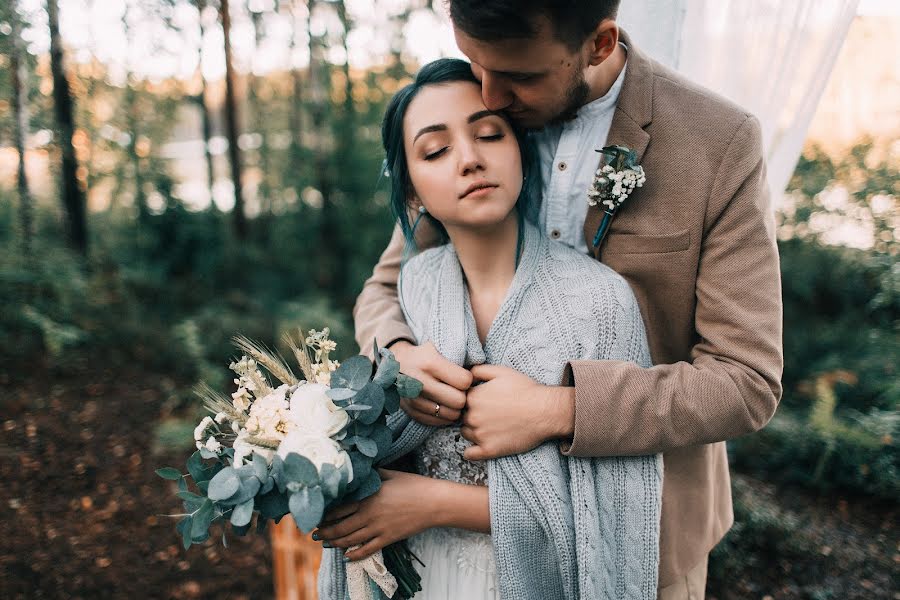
(437,410)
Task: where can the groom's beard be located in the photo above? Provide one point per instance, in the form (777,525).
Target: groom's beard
(576,97)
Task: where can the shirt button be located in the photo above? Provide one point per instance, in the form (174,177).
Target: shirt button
(554,233)
(562,166)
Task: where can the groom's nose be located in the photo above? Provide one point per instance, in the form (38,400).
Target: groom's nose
(494,91)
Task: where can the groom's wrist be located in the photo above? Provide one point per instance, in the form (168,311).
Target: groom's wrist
(561,412)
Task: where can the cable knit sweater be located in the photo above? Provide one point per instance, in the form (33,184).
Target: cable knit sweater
(562,527)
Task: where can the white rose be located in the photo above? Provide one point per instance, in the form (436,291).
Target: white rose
(314,412)
(320,450)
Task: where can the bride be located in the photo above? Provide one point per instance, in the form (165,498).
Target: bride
(541,524)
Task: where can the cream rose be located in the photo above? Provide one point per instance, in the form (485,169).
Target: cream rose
(319,449)
(314,412)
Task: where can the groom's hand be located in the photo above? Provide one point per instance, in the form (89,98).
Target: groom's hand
(511,413)
(444,384)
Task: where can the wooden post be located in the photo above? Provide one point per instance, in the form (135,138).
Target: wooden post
(296,558)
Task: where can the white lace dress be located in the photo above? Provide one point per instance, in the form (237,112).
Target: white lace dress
(459,564)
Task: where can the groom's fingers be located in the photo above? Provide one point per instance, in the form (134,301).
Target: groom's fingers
(474,453)
(488,372)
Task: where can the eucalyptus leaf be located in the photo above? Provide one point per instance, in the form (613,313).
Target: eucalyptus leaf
(273,505)
(307,506)
(387,372)
(204,486)
(301,469)
(224,484)
(268,486)
(331,481)
(260,467)
(203,518)
(408,387)
(382,436)
(182,485)
(242,513)
(367,486)
(373,395)
(354,373)
(190,496)
(195,466)
(247,491)
(391,400)
(261,525)
(357,407)
(169,473)
(367,447)
(204,453)
(184,528)
(340,394)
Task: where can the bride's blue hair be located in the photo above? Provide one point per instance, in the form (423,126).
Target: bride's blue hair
(445,70)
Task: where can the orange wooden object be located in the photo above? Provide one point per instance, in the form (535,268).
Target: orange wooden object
(296,558)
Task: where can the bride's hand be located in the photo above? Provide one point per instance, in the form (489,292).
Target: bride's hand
(393,513)
(444,384)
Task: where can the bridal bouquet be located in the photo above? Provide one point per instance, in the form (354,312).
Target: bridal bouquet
(297,448)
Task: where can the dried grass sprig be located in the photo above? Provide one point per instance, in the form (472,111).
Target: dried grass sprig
(301,355)
(216,402)
(274,363)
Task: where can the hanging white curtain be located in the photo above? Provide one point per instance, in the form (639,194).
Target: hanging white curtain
(771,56)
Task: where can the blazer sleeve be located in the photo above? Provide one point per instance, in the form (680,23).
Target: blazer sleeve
(732,384)
(377,314)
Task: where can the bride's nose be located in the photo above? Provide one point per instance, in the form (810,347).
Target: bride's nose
(470,158)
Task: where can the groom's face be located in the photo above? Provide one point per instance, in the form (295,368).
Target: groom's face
(536,81)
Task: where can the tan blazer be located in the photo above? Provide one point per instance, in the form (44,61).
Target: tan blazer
(697,245)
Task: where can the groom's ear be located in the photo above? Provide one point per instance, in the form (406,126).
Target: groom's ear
(602,42)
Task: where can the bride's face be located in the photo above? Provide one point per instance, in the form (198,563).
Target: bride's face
(463,160)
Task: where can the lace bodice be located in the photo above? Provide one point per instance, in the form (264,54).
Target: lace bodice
(441,457)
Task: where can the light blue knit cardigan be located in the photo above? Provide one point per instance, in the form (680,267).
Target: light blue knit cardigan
(563,527)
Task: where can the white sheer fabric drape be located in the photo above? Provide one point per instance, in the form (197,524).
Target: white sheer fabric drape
(771,56)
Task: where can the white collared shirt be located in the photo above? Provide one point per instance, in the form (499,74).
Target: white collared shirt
(568,163)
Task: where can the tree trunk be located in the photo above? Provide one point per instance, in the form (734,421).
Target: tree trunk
(231,126)
(72,195)
(264,192)
(206,119)
(295,121)
(330,270)
(19,74)
(140,199)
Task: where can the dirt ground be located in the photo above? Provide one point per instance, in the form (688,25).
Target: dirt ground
(82,503)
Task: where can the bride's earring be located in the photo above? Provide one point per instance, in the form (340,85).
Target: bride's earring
(422,212)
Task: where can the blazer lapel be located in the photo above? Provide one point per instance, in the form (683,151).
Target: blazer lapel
(634,111)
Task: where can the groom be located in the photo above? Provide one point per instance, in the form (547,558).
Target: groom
(696,243)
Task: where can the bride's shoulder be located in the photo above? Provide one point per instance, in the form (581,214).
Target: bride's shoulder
(584,276)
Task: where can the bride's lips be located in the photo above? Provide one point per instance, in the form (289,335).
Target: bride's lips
(478,185)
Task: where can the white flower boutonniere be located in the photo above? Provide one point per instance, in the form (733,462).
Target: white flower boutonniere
(613,183)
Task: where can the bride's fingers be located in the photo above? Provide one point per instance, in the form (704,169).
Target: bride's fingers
(443,394)
(340,512)
(357,537)
(423,418)
(366,550)
(425,406)
(340,529)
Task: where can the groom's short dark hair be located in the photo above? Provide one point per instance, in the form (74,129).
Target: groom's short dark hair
(494,20)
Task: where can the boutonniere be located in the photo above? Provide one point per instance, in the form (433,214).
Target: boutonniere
(613,183)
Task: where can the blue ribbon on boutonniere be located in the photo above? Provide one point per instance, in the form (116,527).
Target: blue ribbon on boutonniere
(618,176)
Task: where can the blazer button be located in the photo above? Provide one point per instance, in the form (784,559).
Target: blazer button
(563,166)
(554,233)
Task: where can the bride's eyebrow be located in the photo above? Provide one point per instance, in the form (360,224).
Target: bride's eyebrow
(481,114)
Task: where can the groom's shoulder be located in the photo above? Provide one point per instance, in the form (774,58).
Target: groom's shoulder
(677,99)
